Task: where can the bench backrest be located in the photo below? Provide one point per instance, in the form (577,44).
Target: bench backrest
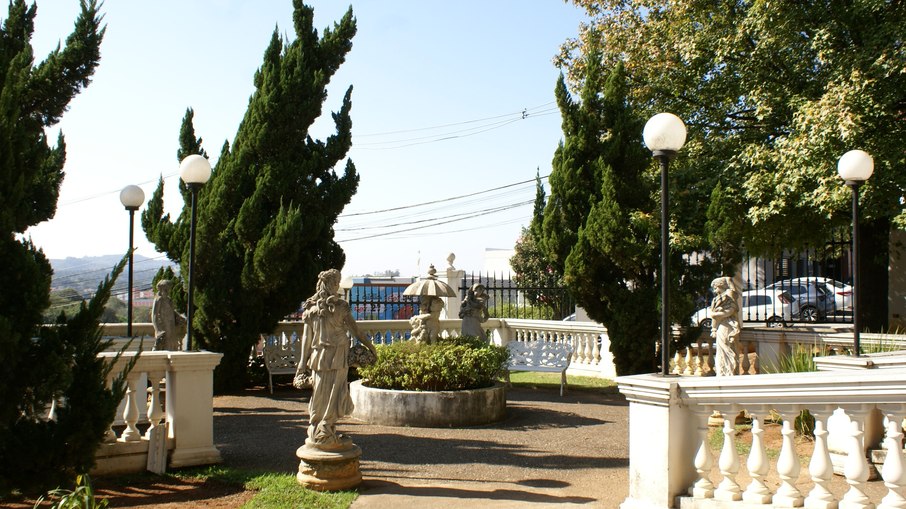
(280,352)
(540,354)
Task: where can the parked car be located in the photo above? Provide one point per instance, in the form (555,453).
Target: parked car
(842,292)
(775,307)
(816,301)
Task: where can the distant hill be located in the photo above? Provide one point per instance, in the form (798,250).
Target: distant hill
(84,274)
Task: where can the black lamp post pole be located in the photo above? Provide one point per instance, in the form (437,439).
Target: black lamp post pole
(857,318)
(191,309)
(663,157)
(129,298)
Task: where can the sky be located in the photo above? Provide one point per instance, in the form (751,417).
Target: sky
(452,107)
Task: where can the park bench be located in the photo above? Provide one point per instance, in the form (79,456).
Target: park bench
(279,357)
(540,356)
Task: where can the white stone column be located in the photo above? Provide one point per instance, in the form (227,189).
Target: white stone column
(452,304)
(662,441)
(190,407)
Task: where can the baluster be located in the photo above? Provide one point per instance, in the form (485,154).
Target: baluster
(588,353)
(855,468)
(699,360)
(744,361)
(703,488)
(894,471)
(155,411)
(758,465)
(821,469)
(728,489)
(711,349)
(689,367)
(788,466)
(130,413)
(596,348)
(677,363)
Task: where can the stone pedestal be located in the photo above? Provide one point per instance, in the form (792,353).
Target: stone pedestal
(331,470)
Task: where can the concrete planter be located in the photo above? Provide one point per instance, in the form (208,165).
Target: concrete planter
(423,409)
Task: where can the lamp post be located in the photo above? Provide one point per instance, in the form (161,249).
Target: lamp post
(854,167)
(194,170)
(664,135)
(132,198)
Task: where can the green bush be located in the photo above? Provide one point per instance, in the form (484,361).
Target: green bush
(450,364)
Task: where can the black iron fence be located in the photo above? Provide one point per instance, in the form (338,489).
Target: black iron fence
(813,285)
(506,299)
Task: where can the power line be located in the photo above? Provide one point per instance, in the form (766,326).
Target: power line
(403,207)
(470,214)
(524,111)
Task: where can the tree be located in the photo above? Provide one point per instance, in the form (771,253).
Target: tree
(265,219)
(44,364)
(773,94)
(600,224)
(541,282)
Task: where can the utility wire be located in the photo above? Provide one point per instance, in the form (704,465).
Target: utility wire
(461,214)
(438,201)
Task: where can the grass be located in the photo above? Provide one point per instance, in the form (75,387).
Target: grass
(536,380)
(273,489)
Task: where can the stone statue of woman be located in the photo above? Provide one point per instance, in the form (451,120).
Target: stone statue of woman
(327,319)
(726,324)
(166,321)
(474,311)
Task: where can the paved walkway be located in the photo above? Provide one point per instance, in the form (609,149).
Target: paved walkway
(548,452)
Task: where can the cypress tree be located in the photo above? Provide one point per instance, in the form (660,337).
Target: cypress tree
(55,363)
(265,219)
(600,225)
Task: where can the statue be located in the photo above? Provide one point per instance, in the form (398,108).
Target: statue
(726,324)
(166,321)
(325,346)
(426,325)
(474,311)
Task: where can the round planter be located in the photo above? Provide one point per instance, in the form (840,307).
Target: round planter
(426,409)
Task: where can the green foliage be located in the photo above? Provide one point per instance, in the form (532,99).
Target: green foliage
(541,281)
(274,490)
(80,497)
(801,359)
(265,219)
(59,362)
(773,93)
(601,224)
(283,490)
(450,364)
(511,310)
(534,379)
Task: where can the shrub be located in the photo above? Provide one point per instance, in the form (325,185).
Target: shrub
(450,364)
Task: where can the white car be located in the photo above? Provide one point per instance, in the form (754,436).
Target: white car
(774,307)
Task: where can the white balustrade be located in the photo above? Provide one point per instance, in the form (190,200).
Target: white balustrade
(667,468)
(188,398)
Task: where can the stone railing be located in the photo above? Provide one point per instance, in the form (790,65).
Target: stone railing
(166,418)
(591,346)
(671,464)
(761,348)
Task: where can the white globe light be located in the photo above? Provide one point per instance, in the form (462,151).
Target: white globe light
(855,166)
(664,131)
(195,169)
(132,197)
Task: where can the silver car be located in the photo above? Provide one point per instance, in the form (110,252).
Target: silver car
(816,302)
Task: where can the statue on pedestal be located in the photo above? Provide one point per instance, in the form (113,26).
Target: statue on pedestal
(474,311)
(426,325)
(328,460)
(726,324)
(166,321)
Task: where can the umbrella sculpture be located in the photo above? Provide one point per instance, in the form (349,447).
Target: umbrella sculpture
(426,324)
